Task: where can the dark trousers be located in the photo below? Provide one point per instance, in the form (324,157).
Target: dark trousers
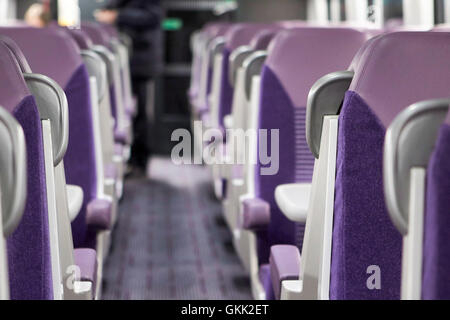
(140,149)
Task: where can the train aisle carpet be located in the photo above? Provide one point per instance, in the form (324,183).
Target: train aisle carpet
(171,241)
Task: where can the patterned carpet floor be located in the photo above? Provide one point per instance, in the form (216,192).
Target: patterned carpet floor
(171,241)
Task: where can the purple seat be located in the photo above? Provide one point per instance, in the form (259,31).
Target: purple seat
(82,39)
(28,246)
(98,35)
(393,72)
(238,35)
(54,53)
(212,32)
(436,255)
(296,59)
(111,34)
(102,37)
(110,30)
(263,38)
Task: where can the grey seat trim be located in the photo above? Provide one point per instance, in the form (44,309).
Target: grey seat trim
(324,99)
(216,46)
(109,58)
(253,65)
(20,58)
(127,41)
(13,172)
(237,58)
(97,68)
(409,142)
(52,104)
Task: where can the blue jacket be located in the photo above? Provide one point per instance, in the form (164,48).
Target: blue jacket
(141,20)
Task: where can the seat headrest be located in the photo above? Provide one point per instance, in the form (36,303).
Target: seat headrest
(262,39)
(242,34)
(357,58)
(97,34)
(399,69)
(13,88)
(110,30)
(21,60)
(81,38)
(49,51)
(215,29)
(300,56)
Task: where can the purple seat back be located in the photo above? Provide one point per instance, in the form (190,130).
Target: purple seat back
(263,38)
(28,247)
(81,38)
(394,71)
(214,31)
(436,253)
(236,36)
(296,59)
(18,54)
(109,29)
(52,52)
(97,34)
(42,51)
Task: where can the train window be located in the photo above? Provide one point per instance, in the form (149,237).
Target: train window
(442,11)
(69,13)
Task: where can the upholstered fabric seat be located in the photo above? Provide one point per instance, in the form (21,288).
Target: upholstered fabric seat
(436,255)
(390,75)
(238,35)
(54,53)
(29,246)
(200,103)
(296,59)
(106,36)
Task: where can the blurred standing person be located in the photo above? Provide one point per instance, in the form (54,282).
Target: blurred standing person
(141,20)
(38,15)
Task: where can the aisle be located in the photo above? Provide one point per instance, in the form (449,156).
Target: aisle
(171,241)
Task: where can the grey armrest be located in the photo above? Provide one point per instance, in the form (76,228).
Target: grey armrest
(293,200)
(325,98)
(253,65)
(409,142)
(237,58)
(96,68)
(13,172)
(216,46)
(109,59)
(52,104)
(75,198)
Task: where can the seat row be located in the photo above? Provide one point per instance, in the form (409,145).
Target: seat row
(326,147)
(66,105)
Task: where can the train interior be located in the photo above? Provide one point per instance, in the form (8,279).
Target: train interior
(294,150)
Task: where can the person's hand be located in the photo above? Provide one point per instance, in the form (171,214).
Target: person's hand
(106,16)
